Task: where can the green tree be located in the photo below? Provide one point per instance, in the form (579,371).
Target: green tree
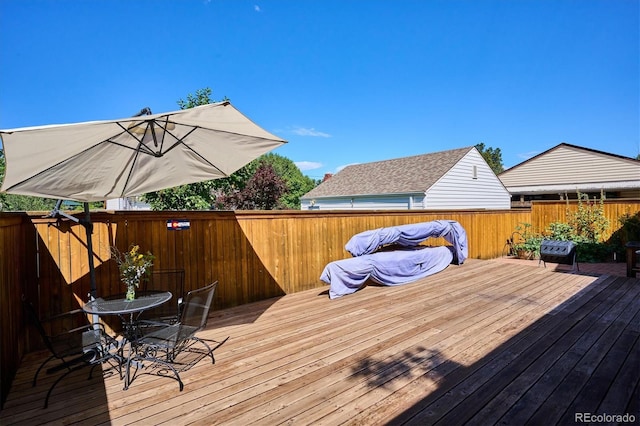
(297,183)
(195,196)
(263,191)
(201,97)
(492,156)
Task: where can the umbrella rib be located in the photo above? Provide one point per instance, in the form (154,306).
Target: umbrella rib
(146,149)
(126,182)
(181,141)
(141,145)
(165,129)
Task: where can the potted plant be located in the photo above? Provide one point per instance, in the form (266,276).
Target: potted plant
(525,243)
(134,268)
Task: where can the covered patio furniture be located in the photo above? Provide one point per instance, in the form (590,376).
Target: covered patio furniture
(411,235)
(386,267)
(393,256)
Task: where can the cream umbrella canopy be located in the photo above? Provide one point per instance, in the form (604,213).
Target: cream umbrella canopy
(99,160)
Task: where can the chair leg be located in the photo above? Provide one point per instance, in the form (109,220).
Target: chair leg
(35,377)
(139,362)
(108,359)
(210,349)
(85,360)
(70,370)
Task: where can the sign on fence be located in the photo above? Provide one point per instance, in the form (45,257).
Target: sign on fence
(178,224)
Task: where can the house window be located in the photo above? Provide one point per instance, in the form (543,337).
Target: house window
(474,173)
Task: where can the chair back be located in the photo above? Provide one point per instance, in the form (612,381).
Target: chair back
(195,312)
(35,321)
(165,280)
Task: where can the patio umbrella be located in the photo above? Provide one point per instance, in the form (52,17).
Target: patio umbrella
(99,160)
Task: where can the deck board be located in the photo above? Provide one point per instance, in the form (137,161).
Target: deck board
(482,343)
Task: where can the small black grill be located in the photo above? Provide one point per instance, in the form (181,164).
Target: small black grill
(563,252)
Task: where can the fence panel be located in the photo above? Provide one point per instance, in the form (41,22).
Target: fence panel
(544,213)
(14,270)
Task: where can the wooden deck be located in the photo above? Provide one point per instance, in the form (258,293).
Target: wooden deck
(483,343)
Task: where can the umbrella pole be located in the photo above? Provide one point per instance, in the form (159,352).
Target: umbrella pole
(89,229)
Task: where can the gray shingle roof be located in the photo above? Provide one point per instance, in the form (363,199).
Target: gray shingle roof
(400,175)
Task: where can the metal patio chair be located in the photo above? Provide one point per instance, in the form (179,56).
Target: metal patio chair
(88,345)
(171,349)
(168,313)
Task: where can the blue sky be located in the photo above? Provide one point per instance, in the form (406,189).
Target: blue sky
(344,81)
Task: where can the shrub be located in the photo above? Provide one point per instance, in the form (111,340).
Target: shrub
(589,221)
(585,227)
(559,231)
(589,252)
(525,242)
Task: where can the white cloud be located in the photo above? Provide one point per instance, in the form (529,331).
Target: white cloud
(302,131)
(308,165)
(256,8)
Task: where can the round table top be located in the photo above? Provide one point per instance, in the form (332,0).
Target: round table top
(121,306)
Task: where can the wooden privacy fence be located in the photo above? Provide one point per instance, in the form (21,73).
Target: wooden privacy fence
(254,255)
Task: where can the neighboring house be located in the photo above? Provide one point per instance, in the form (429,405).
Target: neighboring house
(560,172)
(447,180)
(129,203)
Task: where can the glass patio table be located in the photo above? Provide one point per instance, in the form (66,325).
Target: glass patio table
(128,311)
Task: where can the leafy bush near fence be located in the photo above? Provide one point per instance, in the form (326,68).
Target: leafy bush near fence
(586,227)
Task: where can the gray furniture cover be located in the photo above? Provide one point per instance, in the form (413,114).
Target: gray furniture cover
(406,264)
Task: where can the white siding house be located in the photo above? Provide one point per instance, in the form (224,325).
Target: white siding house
(129,203)
(446,180)
(562,171)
